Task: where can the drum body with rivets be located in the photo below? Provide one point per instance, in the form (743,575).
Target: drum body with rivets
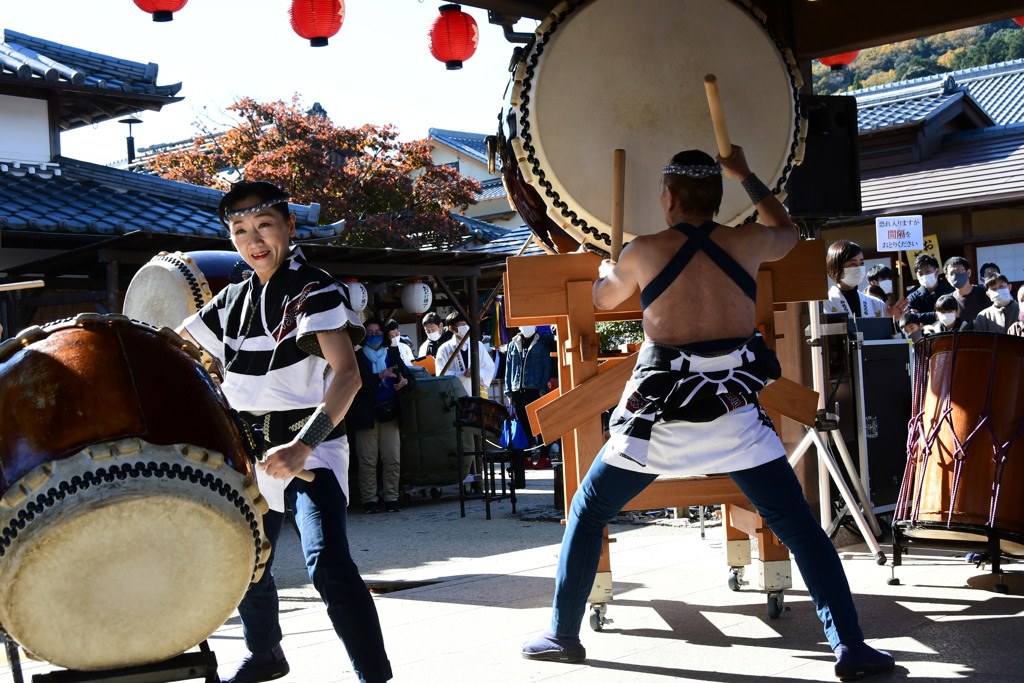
(130,523)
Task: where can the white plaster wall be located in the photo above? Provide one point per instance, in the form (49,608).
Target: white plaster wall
(24,130)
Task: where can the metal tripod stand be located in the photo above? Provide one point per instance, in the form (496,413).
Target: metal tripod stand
(826,422)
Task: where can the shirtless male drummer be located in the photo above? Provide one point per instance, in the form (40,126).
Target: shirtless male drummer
(675,419)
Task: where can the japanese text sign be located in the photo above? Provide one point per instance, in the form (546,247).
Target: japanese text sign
(899,233)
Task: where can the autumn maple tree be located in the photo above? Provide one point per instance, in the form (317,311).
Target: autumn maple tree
(388,192)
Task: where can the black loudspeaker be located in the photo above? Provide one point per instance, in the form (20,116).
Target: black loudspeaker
(827,183)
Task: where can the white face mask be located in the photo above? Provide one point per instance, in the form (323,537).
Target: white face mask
(946,318)
(928,280)
(462,330)
(1000,297)
(886,286)
(433,336)
(528,330)
(854,275)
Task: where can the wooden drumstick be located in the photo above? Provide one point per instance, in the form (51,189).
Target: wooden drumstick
(618,202)
(305,475)
(717,116)
(9,286)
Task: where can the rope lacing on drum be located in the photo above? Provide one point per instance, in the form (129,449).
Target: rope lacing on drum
(531,152)
(1000,452)
(914,431)
(102,475)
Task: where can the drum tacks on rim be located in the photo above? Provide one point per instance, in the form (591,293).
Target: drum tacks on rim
(601,75)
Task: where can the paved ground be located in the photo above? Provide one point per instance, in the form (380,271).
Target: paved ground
(480,588)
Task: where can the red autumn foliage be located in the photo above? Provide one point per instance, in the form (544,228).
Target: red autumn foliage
(388,192)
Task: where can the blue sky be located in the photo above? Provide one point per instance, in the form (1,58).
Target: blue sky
(377,69)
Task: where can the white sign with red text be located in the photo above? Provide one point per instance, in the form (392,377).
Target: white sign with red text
(899,233)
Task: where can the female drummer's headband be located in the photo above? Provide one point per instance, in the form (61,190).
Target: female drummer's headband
(263,206)
(694,171)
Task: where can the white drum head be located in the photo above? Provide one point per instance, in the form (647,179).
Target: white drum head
(129,571)
(622,74)
(166,290)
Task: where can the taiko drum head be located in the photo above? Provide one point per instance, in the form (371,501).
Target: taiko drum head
(608,74)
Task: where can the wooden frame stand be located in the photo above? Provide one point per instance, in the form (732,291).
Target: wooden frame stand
(557,290)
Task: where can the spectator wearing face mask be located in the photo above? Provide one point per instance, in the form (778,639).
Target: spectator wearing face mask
(1017,328)
(910,325)
(972,298)
(880,276)
(949,316)
(932,287)
(460,365)
(1004,310)
(436,333)
(527,371)
(844,263)
(397,341)
(375,418)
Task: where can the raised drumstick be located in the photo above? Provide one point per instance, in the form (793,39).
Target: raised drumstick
(618,202)
(717,116)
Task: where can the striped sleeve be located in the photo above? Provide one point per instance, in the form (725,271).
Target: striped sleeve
(326,309)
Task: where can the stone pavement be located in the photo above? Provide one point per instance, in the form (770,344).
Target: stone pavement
(457,597)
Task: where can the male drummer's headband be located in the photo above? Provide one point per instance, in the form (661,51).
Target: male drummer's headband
(694,170)
(262,206)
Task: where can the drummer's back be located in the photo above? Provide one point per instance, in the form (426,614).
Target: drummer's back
(704,302)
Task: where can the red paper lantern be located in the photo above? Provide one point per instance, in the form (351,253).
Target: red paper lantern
(839,62)
(317,20)
(162,10)
(453,37)
(1019,20)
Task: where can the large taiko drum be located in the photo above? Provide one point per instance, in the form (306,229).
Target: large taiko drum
(603,74)
(174,285)
(964,482)
(130,522)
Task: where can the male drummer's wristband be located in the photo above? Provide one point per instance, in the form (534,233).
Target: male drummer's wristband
(316,429)
(756,190)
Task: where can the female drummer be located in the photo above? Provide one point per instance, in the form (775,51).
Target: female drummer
(285,339)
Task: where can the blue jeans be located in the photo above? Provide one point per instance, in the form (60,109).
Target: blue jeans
(772,488)
(319,508)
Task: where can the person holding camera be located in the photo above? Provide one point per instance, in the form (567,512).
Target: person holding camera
(375,417)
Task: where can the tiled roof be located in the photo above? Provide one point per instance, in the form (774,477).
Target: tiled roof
(82,198)
(975,167)
(470,144)
(480,230)
(510,243)
(124,86)
(491,189)
(995,88)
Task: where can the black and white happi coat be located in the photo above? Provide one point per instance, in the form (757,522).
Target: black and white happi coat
(265,338)
(685,413)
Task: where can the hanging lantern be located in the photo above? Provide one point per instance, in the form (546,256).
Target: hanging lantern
(417,297)
(839,62)
(317,20)
(357,296)
(453,37)
(162,10)
(1019,21)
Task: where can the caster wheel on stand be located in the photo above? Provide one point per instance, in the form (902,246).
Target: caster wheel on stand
(776,608)
(736,581)
(598,618)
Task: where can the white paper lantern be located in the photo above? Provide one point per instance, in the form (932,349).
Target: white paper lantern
(357,296)
(417,297)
